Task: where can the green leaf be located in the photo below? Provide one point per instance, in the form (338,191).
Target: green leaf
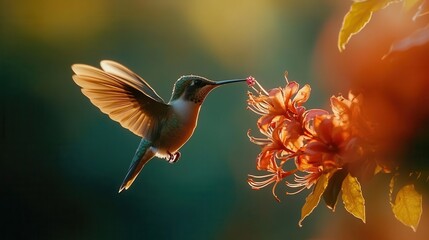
(352,196)
(313,199)
(333,189)
(357,17)
(408,206)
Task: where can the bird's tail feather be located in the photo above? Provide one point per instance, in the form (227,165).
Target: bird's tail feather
(143,154)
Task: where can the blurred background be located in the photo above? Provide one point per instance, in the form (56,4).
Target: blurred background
(62,160)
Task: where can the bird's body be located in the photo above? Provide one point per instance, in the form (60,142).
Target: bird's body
(181,123)
(129,100)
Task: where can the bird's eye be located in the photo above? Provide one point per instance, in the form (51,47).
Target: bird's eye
(196,82)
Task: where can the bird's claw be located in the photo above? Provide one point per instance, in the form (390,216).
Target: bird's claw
(173,157)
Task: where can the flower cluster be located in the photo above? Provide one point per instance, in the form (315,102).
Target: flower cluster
(317,141)
(331,150)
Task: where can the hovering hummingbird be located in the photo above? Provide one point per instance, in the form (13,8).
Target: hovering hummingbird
(131,101)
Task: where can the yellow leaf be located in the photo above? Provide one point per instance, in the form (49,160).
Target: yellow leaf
(313,199)
(408,206)
(357,17)
(352,196)
(330,195)
(391,189)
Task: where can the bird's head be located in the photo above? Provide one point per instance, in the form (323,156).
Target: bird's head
(195,88)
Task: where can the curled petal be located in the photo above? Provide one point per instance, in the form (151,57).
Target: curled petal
(265,160)
(339,105)
(309,163)
(302,96)
(309,116)
(278,101)
(290,89)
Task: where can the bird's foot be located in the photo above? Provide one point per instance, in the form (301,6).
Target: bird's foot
(173,157)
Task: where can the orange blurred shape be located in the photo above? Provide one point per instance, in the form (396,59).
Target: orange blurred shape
(395,88)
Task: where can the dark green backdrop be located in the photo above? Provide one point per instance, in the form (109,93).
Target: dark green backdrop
(62,160)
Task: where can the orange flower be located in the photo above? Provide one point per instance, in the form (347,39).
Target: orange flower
(318,141)
(279,103)
(276,175)
(364,148)
(272,146)
(282,117)
(283,124)
(325,152)
(350,112)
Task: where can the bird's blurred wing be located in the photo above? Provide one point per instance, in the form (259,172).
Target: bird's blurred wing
(121,97)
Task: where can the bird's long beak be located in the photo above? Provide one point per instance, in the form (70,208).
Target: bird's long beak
(229,81)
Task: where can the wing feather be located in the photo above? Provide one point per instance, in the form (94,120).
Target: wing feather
(122,95)
(120,70)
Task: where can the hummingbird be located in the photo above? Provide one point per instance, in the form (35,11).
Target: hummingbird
(129,100)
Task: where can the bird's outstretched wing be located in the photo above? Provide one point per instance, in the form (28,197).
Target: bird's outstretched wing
(122,94)
(121,71)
